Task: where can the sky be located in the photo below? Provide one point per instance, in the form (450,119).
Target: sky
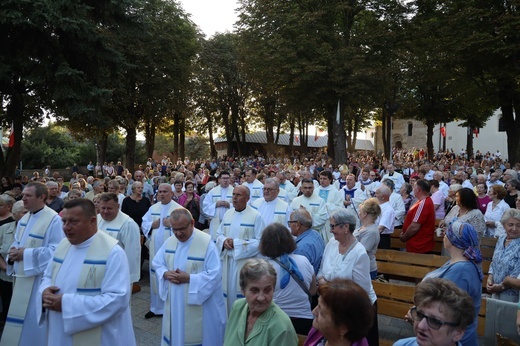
(212,15)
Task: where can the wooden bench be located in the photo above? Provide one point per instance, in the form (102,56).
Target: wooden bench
(407,266)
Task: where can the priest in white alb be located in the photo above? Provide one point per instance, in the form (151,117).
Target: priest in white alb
(314,204)
(189,278)
(122,227)
(84,297)
(37,234)
(157,228)
(237,240)
(218,202)
(272,208)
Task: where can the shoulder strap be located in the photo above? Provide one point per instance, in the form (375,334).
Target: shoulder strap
(297,279)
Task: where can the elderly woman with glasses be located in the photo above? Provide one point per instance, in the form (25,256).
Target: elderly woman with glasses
(346,258)
(441,314)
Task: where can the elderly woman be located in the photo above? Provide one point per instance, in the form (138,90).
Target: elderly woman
(450,200)
(6,203)
(368,233)
(406,195)
(257,320)
(462,243)
(466,210)
(177,190)
(506,259)
(343,316)
(441,314)
(191,201)
(344,257)
(7,231)
(495,210)
(295,282)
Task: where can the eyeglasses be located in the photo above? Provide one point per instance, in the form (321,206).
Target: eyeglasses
(433,322)
(267,189)
(182,229)
(289,222)
(332,226)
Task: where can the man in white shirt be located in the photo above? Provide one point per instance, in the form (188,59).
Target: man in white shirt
(396,201)
(443,187)
(386,220)
(396,177)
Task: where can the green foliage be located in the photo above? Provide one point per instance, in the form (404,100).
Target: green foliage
(196,146)
(51,145)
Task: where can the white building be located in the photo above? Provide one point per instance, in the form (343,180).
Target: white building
(489,137)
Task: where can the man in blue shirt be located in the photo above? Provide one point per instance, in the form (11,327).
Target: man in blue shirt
(309,242)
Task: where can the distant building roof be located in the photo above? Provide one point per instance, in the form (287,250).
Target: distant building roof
(261,138)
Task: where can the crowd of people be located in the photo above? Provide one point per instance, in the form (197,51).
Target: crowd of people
(254,250)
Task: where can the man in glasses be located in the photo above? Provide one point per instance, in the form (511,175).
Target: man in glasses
(441,314)
(272,208)
(190,281)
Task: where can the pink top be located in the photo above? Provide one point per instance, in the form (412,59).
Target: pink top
(315,339)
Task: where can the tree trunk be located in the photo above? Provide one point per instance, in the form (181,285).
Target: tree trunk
(212,148)
(182,138)
(469,143)
(429,138)
(176,126)
(130,147)
(150,136)
(291,136)
(510,105)
(102,143)
(384,124)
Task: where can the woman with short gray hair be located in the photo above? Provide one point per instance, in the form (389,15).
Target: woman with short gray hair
(257,320)
(346,258)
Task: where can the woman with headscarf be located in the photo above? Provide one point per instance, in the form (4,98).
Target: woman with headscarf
(463,268)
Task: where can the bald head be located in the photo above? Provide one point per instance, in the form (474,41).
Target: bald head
(164,193)
(383,193)
(240,197)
